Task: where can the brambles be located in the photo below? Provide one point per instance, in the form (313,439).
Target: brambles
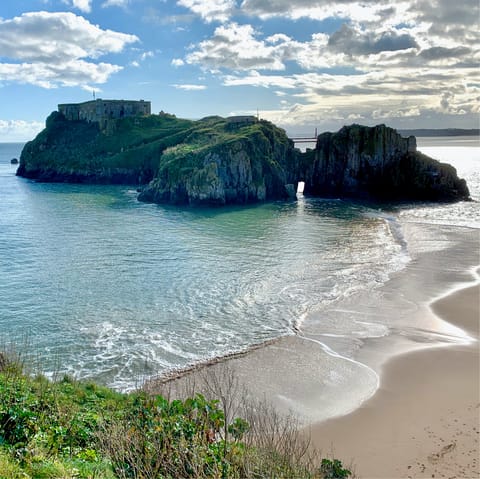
(161,438)
(333,469)
(70,429)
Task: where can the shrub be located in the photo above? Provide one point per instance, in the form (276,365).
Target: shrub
(68,429)
(9,469)
(333,469)
(168,439)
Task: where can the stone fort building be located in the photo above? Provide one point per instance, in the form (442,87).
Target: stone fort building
(100,110)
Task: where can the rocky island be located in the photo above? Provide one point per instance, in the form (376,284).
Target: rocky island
(377,162)
(235,160)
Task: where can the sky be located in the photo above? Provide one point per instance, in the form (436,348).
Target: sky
(301,64)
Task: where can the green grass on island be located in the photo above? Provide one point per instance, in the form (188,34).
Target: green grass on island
(71,429)
(237,160)
(140,144)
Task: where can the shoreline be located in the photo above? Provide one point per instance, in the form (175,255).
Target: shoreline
(177,374)
(294,373)
(424,419)
(416,424)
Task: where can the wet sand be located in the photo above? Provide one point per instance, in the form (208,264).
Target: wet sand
(414,391)
(424,421)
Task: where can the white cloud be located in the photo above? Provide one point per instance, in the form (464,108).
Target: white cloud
(354,41)
(177,62)
(398,113)
(189,87)
(240,47)
(91,89)
(400,60)
(82,5)
(72,73)
(141,58)
(396,95)
(146,55)
(65,58)
(438,13)
(29,37)
(115,3)
(235,47)
(355,117)
(369,10)
(210,10)
(256,79)
(20,130)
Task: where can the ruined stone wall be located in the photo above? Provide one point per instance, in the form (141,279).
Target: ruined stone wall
(99,110)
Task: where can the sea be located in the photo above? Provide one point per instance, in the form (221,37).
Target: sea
(97,285)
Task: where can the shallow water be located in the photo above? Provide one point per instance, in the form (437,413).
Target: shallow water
(107,288)
(464,154)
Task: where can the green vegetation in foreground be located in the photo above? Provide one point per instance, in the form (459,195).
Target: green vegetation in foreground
(70,429)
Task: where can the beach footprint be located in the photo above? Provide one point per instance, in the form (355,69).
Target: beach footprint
(437,457)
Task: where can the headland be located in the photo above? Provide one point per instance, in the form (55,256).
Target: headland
(235,160)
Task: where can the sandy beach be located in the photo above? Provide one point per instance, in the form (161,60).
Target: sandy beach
(424,419)
(404,403)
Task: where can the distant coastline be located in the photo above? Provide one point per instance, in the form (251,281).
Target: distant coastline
(441,132)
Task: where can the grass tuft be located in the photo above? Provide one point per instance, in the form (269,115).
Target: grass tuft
(71,429)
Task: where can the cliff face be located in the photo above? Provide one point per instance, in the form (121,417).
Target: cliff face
(235,160)
(125,152)
(242,165)
(377,162)
(210,161)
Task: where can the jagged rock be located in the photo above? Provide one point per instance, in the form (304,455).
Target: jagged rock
(14,161)
(210,161)
(219,161)
(377,162)
(248,165)
(291,192)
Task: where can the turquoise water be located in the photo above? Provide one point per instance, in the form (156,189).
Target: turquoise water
(107,288)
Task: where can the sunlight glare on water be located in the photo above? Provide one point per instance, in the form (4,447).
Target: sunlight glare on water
(114,290)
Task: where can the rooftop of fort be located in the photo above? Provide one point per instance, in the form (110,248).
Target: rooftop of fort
(99,109)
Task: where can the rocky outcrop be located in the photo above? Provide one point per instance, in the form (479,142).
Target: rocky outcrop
(377,162)
(80,152)
(210,161)
(218,161)
(248,165)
